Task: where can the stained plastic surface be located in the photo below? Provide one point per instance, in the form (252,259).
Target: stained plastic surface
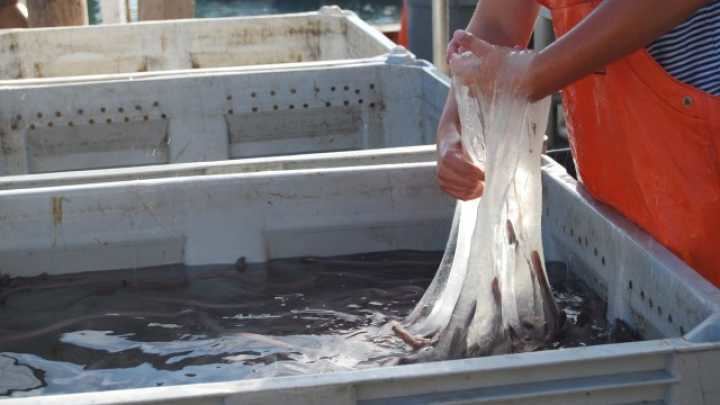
(491,293)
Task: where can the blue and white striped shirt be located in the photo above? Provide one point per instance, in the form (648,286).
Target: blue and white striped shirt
(691,51)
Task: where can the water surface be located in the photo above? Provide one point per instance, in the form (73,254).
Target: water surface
(180,325)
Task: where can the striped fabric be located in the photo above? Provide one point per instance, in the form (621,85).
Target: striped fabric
(691,51)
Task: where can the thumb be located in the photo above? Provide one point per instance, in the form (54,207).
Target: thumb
(470,42)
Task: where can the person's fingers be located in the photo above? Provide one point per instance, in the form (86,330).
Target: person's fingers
(477,192)
(464,194)
(468,41)
(453,49)
(456,193)
(456,174)
(456,181)
(458,186)
(456,162)
(463,65)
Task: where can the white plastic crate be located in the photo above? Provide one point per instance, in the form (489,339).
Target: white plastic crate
(405,154)
(386,102)
(216,218)
(130,50)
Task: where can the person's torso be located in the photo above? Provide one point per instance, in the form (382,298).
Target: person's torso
(691,51)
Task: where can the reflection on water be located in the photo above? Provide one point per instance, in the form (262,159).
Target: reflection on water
(176,325)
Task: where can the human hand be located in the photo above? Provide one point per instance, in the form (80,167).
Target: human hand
(489,68)
(456,173)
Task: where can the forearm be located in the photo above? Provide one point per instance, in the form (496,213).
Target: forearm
(500,22)
(613,30)
(10,15)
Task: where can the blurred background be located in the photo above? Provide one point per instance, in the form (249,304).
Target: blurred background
(378,12)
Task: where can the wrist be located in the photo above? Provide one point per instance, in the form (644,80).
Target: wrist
(447,137)
(538,79)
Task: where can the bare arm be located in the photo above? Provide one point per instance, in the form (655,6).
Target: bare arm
(615,29)
(10,15)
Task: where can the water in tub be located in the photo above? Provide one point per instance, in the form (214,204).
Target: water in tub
(177,325)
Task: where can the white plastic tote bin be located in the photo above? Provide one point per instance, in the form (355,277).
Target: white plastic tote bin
(386,102)
(216,218)
(404,154)
(128,50)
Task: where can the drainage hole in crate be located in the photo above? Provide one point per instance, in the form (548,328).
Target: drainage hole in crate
(138,108)
(317,89)
(272,92)
(254,109)
(682,330)
(58,114)
(360,101)
(230,112)
(603,260)
(630,285)
(109,120)
(346,88)
(164,116)
(372,86)
(328,104)
(91,121)
(276,107)
(669,318)
(228,98)
(293,91)
(155,103)
(292,107)
(372,105)
(332,88)
(103,109)
(71,124)
(32,126)
(146,117)
(580,240)
(126,119)
(253,94)
(642,295)
(39,115)
(19,117)
(50,124)
(595,252)
(650,303)
(305,106)
(121,110)
(346,103)
(659,309)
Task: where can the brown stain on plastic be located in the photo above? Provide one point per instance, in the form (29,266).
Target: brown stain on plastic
(5,143)
(57,210)
(38,68)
